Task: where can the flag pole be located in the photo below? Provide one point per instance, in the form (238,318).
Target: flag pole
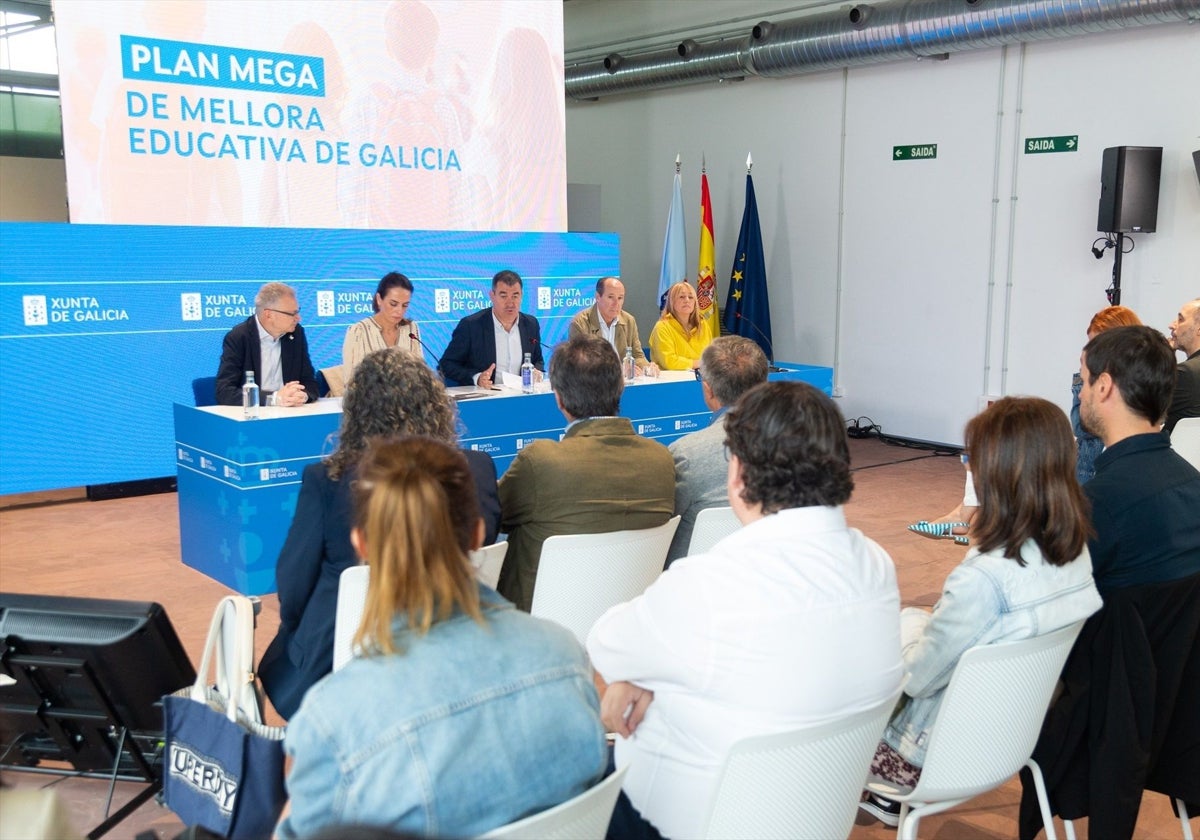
(747,309)
(674,261)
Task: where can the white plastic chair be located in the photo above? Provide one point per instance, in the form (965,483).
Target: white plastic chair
(581,575)
(1183,819)
(712,526)
(352,597)
(487,562)
(583,818)
(1185,439)
(987,726)
(800,784)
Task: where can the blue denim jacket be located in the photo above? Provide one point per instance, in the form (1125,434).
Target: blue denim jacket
(987,598)
(468,728)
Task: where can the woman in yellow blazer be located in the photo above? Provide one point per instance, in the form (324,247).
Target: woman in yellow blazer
(678,339)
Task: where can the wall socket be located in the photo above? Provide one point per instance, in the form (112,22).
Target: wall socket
(839,391)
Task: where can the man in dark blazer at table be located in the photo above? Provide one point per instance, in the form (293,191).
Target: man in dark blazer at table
(497,337)
(601,477)
(273,333)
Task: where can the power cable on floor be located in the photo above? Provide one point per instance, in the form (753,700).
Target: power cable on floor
(861,428)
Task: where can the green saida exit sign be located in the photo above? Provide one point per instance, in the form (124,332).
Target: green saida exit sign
(1046,145)
(915,151)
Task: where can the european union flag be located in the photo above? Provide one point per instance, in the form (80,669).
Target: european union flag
(747,311)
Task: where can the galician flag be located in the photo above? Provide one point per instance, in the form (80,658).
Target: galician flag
(674,259)
(706,282)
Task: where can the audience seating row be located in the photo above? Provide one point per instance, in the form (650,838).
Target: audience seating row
(796,784)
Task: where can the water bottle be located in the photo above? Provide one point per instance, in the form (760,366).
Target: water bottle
(628,365)
(527,375)
(250,397)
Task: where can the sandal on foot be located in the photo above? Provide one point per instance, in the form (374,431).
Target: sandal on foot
(941,531)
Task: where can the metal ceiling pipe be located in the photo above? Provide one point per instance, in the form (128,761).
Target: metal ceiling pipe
(916,28)
(873,33)
(687,63)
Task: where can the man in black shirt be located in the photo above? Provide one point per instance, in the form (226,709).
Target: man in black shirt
(1145,498)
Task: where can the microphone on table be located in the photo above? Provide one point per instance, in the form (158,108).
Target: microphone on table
(437,366)
(771,366)
(545,359)
(548,347)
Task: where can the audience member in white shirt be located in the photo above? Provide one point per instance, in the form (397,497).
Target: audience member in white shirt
(791,622)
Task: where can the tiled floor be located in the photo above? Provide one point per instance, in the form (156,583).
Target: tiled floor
(129,548)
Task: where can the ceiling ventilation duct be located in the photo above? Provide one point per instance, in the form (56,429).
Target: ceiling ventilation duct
(869,34)
(688,63)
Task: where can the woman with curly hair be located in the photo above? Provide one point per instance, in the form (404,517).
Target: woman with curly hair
(391,394)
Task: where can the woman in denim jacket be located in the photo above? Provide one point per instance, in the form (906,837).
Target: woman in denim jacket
(461,714)
(1028,574)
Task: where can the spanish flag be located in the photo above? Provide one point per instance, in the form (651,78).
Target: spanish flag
(706,283)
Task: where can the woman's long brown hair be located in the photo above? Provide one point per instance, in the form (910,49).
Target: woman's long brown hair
(1022,454)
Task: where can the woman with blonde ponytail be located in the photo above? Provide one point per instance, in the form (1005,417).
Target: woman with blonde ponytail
(460,713)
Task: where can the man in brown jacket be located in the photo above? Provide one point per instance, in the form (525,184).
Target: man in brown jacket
(609,320)
(600,477)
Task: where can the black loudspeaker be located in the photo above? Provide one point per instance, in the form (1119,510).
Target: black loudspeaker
(1129,189)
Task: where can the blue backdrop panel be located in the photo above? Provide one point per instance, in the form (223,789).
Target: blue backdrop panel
(103,327)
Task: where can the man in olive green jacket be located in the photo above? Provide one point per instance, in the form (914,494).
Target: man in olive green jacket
(609,320)
(601,477)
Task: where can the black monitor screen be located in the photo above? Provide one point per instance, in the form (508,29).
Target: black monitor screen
(71,667)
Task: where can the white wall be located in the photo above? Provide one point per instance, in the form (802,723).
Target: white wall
(926,284)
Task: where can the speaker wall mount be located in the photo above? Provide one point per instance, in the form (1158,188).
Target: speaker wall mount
(1129,180)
